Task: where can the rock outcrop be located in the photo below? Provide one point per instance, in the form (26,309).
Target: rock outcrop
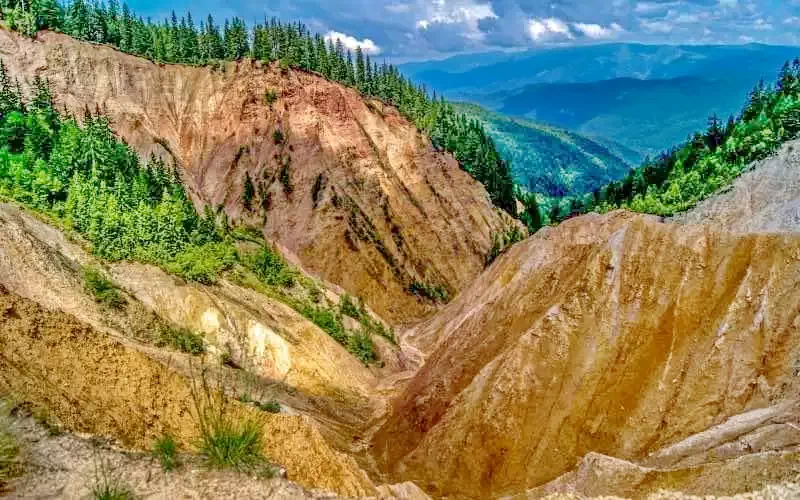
(346,185)
(613,334)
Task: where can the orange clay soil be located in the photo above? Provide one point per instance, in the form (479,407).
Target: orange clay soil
(350,188)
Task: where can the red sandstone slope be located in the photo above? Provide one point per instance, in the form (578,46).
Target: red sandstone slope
(350,187)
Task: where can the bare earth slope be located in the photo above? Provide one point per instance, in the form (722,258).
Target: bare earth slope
(350,187)
(613,334)
(766,198)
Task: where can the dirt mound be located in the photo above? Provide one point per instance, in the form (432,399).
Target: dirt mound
(347,186)
(613,334)
(766,198)
(91,383)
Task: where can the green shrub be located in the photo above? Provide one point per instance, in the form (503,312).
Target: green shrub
(271,268)
(181,339)
(328,321)
(9,449)
(277,137)
(270,407)
(361,346)
(204,263)
(349,308)
(102,288)
(436,293)
(270,97)
(165,449)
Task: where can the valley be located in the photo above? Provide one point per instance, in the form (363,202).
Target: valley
(242,277)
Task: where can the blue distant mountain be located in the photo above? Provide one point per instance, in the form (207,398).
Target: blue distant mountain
(646,97)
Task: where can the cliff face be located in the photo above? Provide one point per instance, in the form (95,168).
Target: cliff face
(348,187)
(614,334)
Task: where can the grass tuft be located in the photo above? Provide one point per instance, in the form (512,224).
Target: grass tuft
(107,485)
(9,448)
(181,339)
(165,449)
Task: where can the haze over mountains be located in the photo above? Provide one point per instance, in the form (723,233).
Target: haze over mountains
(646,97)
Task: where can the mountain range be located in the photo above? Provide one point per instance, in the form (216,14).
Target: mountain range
(645,97)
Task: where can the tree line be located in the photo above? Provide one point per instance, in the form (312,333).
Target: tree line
(679,178)
(183,40)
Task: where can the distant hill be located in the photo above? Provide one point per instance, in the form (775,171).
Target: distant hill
(645,115)
(553,161)
(647,97)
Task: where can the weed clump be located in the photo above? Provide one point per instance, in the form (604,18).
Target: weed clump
(107,486)
(227,442)
(165,449)
(9,449)
(181,339)
(103,290)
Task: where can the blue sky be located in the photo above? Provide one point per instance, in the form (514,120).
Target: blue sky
(424,29)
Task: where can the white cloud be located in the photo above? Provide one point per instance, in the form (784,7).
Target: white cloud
(597,31)
(398,8)
(351,42)
(762,25)
(465,12)
(653,7)
(543,29)
(792,21)
(728,4)
(656,26)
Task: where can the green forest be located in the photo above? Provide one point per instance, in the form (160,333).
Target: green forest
(676,180)
(184,41)
(81,176)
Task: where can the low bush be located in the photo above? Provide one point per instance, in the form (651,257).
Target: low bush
(436,293)
(181,339)
(349,308)
(102,288)
(270,268)
(204,263)
(270,407)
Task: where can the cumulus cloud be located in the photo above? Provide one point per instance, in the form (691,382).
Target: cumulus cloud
(597,31)
(351,42)
(549,28)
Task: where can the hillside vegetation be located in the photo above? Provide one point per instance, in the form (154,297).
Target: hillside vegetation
(552,161)
(677,179)
(89,181)
(294,46)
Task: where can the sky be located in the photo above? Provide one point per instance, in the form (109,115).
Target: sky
(407,30)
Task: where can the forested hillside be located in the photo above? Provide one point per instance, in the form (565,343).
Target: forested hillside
(552,161)
(182,41)
(677,179)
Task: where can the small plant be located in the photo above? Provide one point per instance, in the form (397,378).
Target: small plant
(286,179)
(181,339)
(327,320)
(270,407)
(271,268)
(107,485)
(9,449)
(270,97)
(165,449)
(436,293)
(249,192)
(226,442)
(361,346)
(349,308)
(205,263)
(277,137)
(102,288)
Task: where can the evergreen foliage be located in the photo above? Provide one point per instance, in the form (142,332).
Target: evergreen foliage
(180,41)
(83,176)
(708,161)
